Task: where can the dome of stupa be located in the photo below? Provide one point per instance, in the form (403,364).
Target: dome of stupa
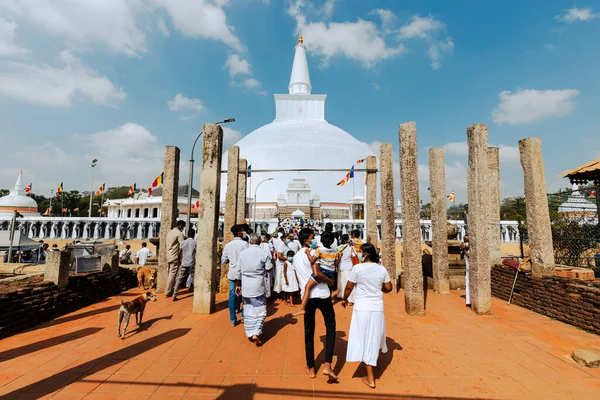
(301,138)
(18,200)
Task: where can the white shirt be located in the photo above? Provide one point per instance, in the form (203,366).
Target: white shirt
(294,246)
(368,279)
(346,260)
(280,247)
(267,249)
(303,269)
(142,255)
(251,264)
(231,252)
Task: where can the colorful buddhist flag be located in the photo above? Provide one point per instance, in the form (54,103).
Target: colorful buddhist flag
(132,189)
(76,209)
(362,160)
(197,203)
(64,210)
(158,181)
(150,190)
(342,182)
(28,188)
(60,188)
(592,194)
(249,170)
(451,196)
(101,190)
(352,172)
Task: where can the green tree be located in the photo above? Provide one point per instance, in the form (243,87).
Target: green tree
(4,192)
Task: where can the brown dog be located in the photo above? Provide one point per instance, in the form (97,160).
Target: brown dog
(135,306)
(148,273)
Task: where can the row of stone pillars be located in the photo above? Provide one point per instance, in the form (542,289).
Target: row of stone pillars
(483,220)
(483,216)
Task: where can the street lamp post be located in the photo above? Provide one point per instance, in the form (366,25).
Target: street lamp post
(255,190)
(191,173)
(94,162)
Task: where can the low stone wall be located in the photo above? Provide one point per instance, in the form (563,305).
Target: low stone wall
(573,302)
(27,302)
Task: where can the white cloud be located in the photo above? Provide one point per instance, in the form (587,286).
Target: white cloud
(110,22)
(57,86)
(7,37)
(375,86)
(388,18)
(550,47)
(327,8)
(230,137)
(162,26)
(456,148)
(509,154)
(181,103)
(527,105)
(360,40)
(237,65)
(576,14)
(201,19)
(132,139)
(251,83)
(433,32)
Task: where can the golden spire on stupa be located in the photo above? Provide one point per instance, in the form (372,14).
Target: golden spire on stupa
(300,40)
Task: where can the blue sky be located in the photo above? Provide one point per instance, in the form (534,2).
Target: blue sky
(118,80)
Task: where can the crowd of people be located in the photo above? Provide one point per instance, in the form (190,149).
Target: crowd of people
(309,261)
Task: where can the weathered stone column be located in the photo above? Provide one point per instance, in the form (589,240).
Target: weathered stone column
(538,216)
(412,272)
(58,264)
(371,217)
(388,229)
(205,283)
(478,192)
(168,211)
(233,165)
(241,191)
(493,155)
(439,220)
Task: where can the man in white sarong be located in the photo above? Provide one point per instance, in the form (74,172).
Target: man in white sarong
(464,248)
(252,264)
(281,250)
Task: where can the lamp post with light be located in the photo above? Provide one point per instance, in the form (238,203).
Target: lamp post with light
(94,162)
(255,190)
(191,173)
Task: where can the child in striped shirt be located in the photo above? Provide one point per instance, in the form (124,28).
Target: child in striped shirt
(324,261)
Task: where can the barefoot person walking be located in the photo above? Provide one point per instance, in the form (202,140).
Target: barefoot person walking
(320,298)
(252,264)
(367,330)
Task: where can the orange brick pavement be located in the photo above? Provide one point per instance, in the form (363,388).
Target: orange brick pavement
(451,353)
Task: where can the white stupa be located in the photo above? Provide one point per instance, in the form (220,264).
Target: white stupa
(18,200)
(577,205)
(301,138)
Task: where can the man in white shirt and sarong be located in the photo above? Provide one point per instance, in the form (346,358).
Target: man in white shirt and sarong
(143,254)
(320,298)
(252,264)
(231,252)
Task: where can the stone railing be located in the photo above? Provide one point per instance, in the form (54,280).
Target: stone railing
(81,228)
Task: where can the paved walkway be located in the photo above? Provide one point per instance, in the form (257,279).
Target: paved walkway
(451,353)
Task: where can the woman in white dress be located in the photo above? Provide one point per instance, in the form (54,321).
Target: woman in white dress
(290,284)
(345,266)
(367,330)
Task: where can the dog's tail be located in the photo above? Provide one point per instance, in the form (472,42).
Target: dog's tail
(138,267)
(122,302)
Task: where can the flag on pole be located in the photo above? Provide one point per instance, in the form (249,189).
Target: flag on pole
(592,194)
(342,182)
(101,190)
(60,188)
(429,188)
(132,189)
(28,188)
(76,209)
(451,196)
(352,172)
(249,170)
(158,181)
(197,203)
(362,160)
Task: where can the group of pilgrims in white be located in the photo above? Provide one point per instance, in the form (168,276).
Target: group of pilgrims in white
(315,263)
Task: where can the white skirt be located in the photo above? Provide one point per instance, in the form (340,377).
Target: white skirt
(293,282)
(341,283)
(366,337)
(278,284)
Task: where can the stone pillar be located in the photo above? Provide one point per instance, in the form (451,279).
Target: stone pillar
(58,265)
(412,272)
(371,201)
(478,198)
(110,260)
(538,216)
(494,239)
(169,211)
(233,164)
(439,220)
(241,191)
(205,284)
(388,231)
